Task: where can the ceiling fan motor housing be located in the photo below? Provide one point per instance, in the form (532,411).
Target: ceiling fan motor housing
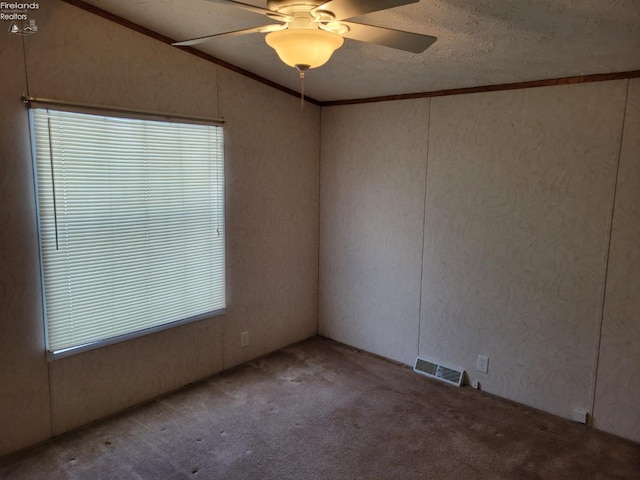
(277,5)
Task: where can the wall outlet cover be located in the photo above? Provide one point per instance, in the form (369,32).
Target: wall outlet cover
(483,364)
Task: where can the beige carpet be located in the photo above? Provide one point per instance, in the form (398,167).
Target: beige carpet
(321,410)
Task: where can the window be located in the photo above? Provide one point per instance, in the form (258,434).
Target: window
(131,216)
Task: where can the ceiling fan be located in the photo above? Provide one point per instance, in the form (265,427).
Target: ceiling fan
(311,30)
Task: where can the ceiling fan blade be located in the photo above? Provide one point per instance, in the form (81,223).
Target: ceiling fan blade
(407,41)
(264,29)
(252,8)
(352,8)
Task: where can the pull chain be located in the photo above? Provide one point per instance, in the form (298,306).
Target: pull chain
(302,69)
(301,90)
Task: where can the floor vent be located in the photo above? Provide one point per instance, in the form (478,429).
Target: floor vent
(440,372)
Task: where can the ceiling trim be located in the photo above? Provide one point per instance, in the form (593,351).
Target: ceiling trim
(599,77)
(169,41)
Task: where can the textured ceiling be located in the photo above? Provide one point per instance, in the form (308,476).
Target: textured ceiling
(480,42)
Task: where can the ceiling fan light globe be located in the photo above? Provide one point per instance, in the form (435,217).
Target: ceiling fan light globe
(304,46)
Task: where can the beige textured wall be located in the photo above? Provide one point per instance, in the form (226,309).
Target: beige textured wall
(272,213)
(372,190)
(519,192)
(272,222)
(618,389)
(519,195)
(24,390)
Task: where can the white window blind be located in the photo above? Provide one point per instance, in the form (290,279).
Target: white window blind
(131,218)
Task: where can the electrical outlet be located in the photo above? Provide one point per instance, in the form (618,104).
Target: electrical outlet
(244,339)
(483,364)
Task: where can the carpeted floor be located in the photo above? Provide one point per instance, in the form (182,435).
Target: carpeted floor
(321,410)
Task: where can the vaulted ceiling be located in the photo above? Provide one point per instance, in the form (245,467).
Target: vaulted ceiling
(480,43)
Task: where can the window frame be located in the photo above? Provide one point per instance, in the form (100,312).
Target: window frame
(122,114)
